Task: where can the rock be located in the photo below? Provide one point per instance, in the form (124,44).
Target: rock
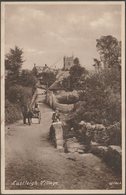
(88,125)
(104,148)
(56,135)
(60,148)
(99,126)
(114,157)
(80,151)
(59,143)
(73,145)
(99,150)
(94,143)
(71,158)
(116,149)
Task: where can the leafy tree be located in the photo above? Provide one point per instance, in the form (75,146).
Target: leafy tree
(27,78)
(97,64)
(76,61)
(48,78)
(14,59)
(66,83)
(13,63)
(19,94)
(109,49)
(76,72)
(12,112)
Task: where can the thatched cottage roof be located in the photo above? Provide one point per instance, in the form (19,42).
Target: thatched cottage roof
(57,85)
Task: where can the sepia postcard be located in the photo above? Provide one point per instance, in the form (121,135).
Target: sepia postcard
(63,97)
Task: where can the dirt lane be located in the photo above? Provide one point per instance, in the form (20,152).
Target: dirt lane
(33,163)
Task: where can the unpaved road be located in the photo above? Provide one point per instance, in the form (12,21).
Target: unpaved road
(33,163)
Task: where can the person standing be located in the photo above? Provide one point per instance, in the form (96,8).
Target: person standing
(56,116)
(24,110)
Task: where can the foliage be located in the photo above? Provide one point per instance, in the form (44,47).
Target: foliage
(12,112)
(19,84)
(77,77)
(48,78)
(27,78)
(109,49)
(18,94)
(13,63)
(66,83)
(101,99)
(76,61)
(102,91)
(76,73)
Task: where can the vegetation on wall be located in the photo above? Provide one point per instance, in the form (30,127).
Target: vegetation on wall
(18,85)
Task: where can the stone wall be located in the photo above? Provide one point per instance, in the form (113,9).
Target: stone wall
(56,135)
(53,103)
(112,155)
(105,142)
(98,133)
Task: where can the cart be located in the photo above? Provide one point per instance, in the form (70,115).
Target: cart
(36,114)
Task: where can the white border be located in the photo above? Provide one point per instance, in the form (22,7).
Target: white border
(68,3)
(123,95)
(2,99)
(3,191)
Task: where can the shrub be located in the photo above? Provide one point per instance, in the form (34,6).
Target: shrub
(27,78)
(19,94)
(102,100)
(16,97)
(12,112)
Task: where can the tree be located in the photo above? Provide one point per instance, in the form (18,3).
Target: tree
(76,73)
(76,61)
(19,94)
(109,49)
(13,62)
(97,64)
(27,78)
(48,78)
(66,83)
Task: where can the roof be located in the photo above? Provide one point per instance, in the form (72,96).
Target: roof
(57,85)
(41,69)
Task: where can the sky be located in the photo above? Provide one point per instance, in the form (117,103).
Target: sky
(47,32)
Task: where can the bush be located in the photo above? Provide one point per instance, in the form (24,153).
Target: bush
(12,112)
(16,97)
(27,78)
(70,99)
(19,94)
(101,100)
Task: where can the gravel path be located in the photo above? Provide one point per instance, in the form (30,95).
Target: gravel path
(33,163)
